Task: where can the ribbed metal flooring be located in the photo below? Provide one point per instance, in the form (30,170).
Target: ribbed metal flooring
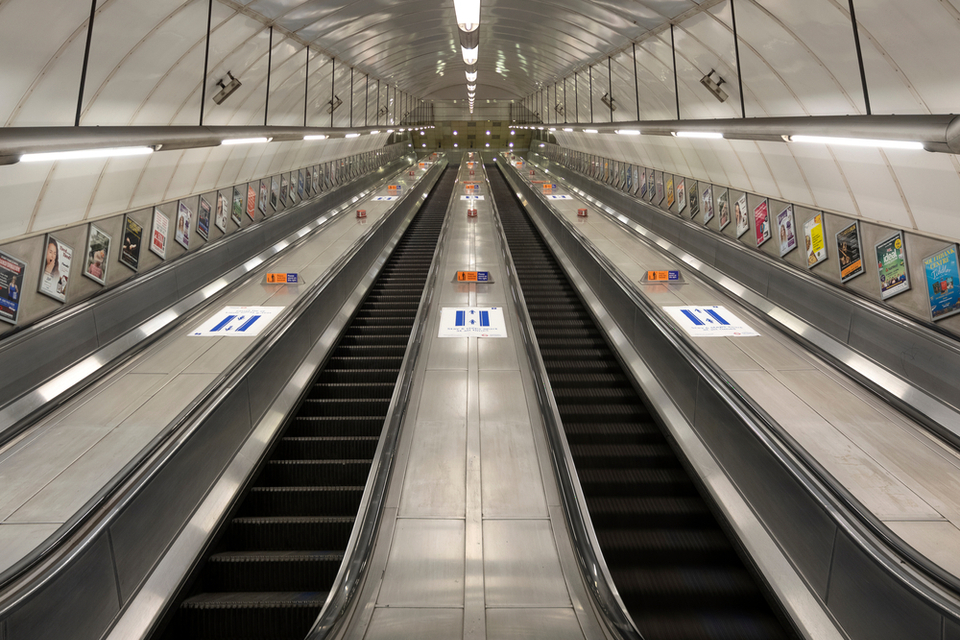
(674,567)
(275,563)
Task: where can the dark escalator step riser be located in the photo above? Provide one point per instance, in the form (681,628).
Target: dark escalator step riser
(667,547)
(301,501)
(624,456)
(314,473)
(341,407)
(262,571)
(338,362)
(309,427)
(645,512)
(326,448)
(636,482)
(234,621)
(358,376)
(370,350)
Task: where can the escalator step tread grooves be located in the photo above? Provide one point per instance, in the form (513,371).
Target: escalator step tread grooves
(674,567)
(270,571)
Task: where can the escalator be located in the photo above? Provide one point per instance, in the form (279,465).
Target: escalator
(676,571)
(270,571)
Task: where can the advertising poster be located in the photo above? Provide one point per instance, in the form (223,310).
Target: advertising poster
(11,285)
(639,180)
(221,220)
(292,194)
(300,183)
(723,208)
(671,198)
(251,202)
(848,248)
(95,260)
(274,194)
(740,214)
(203,219)
(706,194)
(133,240)
(788,233)
(237,209)
(158,240)
(813,235)
(184,218)
(658,179)
(623,176)
(892,266)
(284,189)
(629,185)
(643,183)
(761,218)
(943,282)
(309,181)
(56,269)
(681,196)
(693,197)
(317,180)
(262,201)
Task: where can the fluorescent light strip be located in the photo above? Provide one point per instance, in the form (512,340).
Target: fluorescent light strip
(470,56)
(710,135)
(860,142)
(628,132)
(352,135)
(80,154)
(246,141)
(567,129)
(589,130)
(316,137)
(471,77)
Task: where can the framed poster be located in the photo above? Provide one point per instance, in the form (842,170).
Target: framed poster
(98,251)
(639,180)
(787,230)
(706,195)
(740,213)
(133,241)
(761,219)
(723,208)
(274,194)
(943,282)
(56,269)
(317,180)
(11,284)
(237,208)
(658,178)
(643,184)
(158,239)
(251,202)
(892,266)
(681,196)
(262,201)
(693,197)
(308,181)
(221,219)
(813,237)
(628,185)
(300,187)
(848,248)
(671,198)
(284,188)
(650,185)
(623,176)
(292,194)
(203,219)
(184,218)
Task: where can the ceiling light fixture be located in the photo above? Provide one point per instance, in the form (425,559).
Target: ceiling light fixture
(226,89)
(316,137)
(471,76)
(468,14)
(628,132)
(352,135)
(710,135)
(471,87)
(373,133)
(471,55)
(246,141)
(567,129)
(86,153)
(713,86)
(859,142)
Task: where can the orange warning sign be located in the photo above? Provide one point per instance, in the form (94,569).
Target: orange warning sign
(473,276)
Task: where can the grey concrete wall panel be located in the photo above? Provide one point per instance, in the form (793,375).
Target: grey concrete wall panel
(35,360)
(118,314)
(141,533)
(870,605)
(77,606)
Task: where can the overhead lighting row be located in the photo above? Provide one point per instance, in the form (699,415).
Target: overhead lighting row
(468,23)
(717,135)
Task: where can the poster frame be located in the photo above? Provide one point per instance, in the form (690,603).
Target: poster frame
(203,218)
(955,269)
(88,262)
(761,221)
(855,225)
(61,287)
(902,286)
(14,299)
(183,239)
(791,225)
(160,248)
(723,209)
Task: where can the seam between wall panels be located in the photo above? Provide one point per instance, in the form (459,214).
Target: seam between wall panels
(903,197)
(769,170)
(96,188)
(846,183)
(40,196)
(803,174)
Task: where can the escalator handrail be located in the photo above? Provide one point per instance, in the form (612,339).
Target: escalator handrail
(69,542)
(916,572)
(593,567)
(349,580)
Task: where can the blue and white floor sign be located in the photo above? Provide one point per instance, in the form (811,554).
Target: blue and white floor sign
(481,322)
(563,197)
(237,321)
(384,198)
(708,322)
(471,197)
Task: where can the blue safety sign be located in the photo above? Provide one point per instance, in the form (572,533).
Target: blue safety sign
(481,322)
(710,321)
(237,322)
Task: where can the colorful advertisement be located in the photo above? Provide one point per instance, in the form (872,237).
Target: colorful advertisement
(262,201)
(184,218)
(98,250)
(300,183)
(785,226)
(274,194)
(943,282)
(671,198)
(158,240)
(643,183)
(848,248)
(310,186)
(741,215)
(251,202)
(56,269)
(681,196)
(284,189)
(892,266)
(658,178)
(237,208)
(292,194)
(203,219)
(706,195)
(11,284)
(133,240)
(723,208)
(813,234)
(761,217)
(694,199)
(221,219)
(650,184)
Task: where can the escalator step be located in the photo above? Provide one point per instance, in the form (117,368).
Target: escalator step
(271,570)
(314,473)
(648,512)
(329,391)
(289,533)
(611,432)
(344,406)
(628,456)
(335,426)
(302,501)
(326,447)
(278,615)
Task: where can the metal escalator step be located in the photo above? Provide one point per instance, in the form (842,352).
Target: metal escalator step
(595,395)
(649,512)
(623,455)
(342,390)
(370,350)
(344,406)
(314,473)
(659,547)
(611,432)
(636,482)
(661,587)
(271,570)
(302,501)
(719,624)
(352,376)
(288,533)
(326,447)
(358,362)
(589,380)
(602,412)
(276,615)
(310,426)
